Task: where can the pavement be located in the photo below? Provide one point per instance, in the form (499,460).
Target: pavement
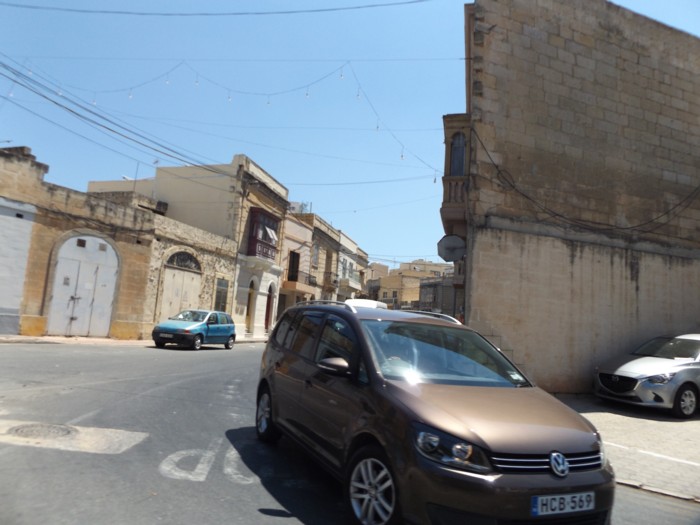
(648,449)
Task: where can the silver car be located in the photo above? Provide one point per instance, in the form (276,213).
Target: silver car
(662,373)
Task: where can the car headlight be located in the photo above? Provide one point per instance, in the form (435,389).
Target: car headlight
(660,379)
(601,446)
(449,450)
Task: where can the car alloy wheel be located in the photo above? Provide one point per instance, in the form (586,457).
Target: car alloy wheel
(371,489)
(264,425)
(197,342)
(229,343)
(686,402)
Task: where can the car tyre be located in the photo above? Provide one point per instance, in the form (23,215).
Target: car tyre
(229,343)
(265,426)
(160,344)
(196,342)
(685,403)
(371,492)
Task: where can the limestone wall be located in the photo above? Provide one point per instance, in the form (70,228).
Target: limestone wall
(582,212)
(559,307)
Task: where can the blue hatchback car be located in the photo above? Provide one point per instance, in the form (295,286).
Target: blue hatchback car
(193,328)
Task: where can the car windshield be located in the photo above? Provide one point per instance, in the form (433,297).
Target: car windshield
(190,315)
(666,348)
(428,353)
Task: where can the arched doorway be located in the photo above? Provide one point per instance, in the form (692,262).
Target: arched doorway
(182,281)
(83,288)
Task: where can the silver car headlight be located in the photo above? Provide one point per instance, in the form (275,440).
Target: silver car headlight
(660,379)
(449,450)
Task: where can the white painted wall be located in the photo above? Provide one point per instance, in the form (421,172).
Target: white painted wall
(16,220)
(561,307)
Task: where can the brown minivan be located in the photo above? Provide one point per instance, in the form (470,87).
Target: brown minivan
(424,421)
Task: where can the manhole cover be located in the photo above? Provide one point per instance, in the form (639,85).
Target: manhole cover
(42,430)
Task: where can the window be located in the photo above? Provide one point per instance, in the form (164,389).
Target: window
(184,260)
(315,252)
(282,328)
(302,335)
(457,155)
(337,340)
(221,299)
(293,270)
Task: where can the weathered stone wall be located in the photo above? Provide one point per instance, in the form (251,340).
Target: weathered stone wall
(141,239)
(590,114)
(71,213)
(216,255)
(584,222)
(559,307)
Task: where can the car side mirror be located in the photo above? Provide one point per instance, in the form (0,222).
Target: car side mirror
(335,366)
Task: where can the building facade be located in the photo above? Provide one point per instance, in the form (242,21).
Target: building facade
(298,281)
(127,254)
(352,267)
(325,248)
(572,178)
(89,266)
(239,202)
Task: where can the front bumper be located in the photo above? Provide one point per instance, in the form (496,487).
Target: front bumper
(435,495)
(637,392)
(173,338)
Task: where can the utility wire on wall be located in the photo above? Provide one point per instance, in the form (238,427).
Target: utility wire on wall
(507,180)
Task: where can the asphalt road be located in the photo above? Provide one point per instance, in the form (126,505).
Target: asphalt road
(134,434)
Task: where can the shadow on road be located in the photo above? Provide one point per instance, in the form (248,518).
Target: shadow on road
(302,488)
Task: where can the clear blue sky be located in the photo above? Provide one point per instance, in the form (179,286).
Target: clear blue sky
(340,101)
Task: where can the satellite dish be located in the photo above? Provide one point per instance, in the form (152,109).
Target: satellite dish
(451,248)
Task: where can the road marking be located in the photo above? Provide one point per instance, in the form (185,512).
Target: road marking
(232,463)
(660,456)
(169,466)
(68,437)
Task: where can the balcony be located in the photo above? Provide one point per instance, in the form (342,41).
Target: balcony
(350,282)
(297,281)
(330,281)
(261,249)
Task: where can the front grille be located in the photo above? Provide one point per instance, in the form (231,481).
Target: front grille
(529,464)
(617,384)
(598,518)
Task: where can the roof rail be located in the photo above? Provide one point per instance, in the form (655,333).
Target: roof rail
(437,315)
(326,302)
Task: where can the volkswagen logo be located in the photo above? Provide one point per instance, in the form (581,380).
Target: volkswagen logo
(559,464)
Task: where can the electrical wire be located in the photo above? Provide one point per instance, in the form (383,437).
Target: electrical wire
(507,180)
(207,14)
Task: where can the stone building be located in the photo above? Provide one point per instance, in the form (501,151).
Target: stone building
(244,206)
(324,256)
(298,281)
(84,265)
(573,177)
(352,265)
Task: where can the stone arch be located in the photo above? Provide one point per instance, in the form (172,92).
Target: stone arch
(181,282)
(82,284)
